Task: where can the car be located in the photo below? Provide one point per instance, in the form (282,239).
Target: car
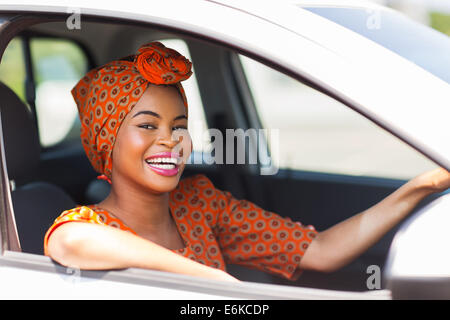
(339,102)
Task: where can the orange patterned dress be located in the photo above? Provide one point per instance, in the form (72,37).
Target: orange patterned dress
(219,229)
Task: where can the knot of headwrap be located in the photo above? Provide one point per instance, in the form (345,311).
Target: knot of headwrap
(105,95)
(161,65)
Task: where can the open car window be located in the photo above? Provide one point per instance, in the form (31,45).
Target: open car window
(58,71)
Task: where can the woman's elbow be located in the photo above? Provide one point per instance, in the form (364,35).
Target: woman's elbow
(65,245)
(316,259)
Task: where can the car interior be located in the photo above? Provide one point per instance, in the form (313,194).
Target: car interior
(48,178)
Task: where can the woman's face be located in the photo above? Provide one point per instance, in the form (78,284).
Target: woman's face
(153,143)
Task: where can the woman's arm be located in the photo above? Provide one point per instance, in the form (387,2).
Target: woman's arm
(97,247)
(342,243)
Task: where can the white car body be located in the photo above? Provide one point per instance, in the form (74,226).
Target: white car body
(290,39)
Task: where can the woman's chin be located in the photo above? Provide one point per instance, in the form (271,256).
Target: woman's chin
(161,183)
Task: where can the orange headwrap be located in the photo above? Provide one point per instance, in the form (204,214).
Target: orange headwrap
(105,95)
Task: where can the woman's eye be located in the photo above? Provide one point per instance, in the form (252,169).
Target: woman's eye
(147,126)
(180,128)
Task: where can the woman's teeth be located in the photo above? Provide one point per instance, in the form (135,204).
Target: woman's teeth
(163,163)
(167,167)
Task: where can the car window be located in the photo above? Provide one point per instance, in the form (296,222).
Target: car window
(58,65)
(318,133)
(12,68)
(417,43)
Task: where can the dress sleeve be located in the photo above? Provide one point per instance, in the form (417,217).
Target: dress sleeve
(78,214)
(256,238)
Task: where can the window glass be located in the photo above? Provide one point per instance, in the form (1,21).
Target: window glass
(12,68)
(196,119)
(58,66)
(419,44)
(318,133)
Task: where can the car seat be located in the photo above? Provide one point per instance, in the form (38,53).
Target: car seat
(35,203)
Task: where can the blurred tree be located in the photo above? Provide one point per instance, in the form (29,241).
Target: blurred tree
(12,68)
(441,22)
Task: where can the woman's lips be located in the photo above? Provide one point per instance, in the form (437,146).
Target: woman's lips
(163,171)
(164,163)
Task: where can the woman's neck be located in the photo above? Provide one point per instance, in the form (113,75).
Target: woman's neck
(144,212)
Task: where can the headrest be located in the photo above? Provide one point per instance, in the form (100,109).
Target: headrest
(20,135)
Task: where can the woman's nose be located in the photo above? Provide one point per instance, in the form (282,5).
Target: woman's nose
(170,140)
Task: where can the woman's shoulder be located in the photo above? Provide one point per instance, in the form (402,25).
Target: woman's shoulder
(106,217)
(84,212)
(93,213)
(84,209)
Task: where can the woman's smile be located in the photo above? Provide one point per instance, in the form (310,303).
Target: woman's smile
(164,163)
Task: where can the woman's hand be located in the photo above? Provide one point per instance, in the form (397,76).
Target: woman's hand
(360,232)
(437,180)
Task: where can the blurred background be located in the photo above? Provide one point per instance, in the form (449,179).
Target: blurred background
(434,13)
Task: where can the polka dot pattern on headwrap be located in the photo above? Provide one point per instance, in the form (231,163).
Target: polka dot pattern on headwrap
(105,95)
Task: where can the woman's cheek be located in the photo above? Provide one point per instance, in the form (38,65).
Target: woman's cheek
(131,144)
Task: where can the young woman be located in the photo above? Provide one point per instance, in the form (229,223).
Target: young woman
(134,131)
